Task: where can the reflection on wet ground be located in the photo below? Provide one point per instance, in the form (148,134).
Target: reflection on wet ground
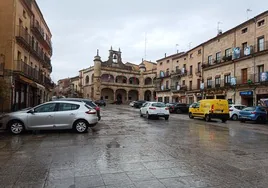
(125,150)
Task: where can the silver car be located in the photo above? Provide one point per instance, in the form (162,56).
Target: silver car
(51,116)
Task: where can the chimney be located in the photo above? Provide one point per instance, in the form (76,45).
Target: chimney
(165,54)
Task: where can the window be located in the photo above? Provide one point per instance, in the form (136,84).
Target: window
(184,66)
(158,105)
(260,71)
(210,60)
(191,55)
(244,73)
(68,107)
(24,14)
(106,97)
(260,44)
(244,45)
(218,81)
(199,51)
(87,79)
(244,30)
(161,63)
(25,59)
(167,61)
(177,61)
(218,57)
(198,83)
(209,82)
(228,52)
(199,67)
(177,69)
(167,84)
(191,70)
(185,58)
(183,82)
(20,23)
(19,56)
(45,108)
(227,79)
(160,99)
(190,85)
(167,72)
(166,99)
(260,23)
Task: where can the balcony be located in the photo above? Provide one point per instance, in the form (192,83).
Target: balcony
(39,33)
(27,70)
(198,71)
(179,89)
(162,89)
(23,38)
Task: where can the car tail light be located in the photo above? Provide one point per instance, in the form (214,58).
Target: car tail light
(166,108)
(230,110)
(212,108)
(253,112)
(97,108)
(151,108)
(91,112)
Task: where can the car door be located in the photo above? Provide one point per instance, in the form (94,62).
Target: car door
(198,110)
(42,117)
(65,115)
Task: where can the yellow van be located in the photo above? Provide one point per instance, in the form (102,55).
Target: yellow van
(210,109)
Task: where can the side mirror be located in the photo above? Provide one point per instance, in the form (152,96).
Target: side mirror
(31,111)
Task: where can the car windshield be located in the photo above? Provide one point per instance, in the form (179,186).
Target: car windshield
(250,109)
(159,104)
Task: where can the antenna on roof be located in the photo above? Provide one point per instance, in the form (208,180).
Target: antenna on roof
(248,10)
(177,48)
(145,46)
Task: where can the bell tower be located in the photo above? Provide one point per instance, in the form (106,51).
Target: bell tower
(115,56)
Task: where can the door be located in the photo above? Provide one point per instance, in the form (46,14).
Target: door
(42,117)
(197,110)
(65,115)
(144,108)
(244,76)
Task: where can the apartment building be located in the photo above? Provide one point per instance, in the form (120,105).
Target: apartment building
(113,80)
(26,50)
(233,65)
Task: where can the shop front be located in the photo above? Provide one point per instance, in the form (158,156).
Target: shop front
(246,98)
(261,93)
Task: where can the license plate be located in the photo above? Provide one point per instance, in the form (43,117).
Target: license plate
(160,114)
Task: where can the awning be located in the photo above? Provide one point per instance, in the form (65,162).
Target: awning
(27,80)
(40,86)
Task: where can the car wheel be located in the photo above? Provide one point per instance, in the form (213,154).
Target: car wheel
(16,127)
(234,117)
(260,119)
(178,111)
(166,118)
(207,118)
(81,126)
(191,116)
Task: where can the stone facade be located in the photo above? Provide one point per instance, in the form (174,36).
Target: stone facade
(239,55)
(113,80)
(26,50)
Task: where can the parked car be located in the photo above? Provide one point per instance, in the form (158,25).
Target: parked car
(255,113)
(52,115)
(234,110)
(132,103)
(100,102)
(154,109)
(178,108)
(87,101)
(138,104)
(210,109)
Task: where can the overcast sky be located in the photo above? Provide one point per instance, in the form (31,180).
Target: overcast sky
(82,26)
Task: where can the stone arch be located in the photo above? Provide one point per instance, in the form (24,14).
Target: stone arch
(134,81)
(133,95)
(87,79)
(121,95)
(148,81)
(107,78)
(148,95)
(154,80)
(107,94)
(121,79)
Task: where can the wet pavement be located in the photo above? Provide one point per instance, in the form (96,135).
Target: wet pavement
(127,151)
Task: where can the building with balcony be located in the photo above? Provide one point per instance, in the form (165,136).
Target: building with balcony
(113,80)
(26,50)
(235,63)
